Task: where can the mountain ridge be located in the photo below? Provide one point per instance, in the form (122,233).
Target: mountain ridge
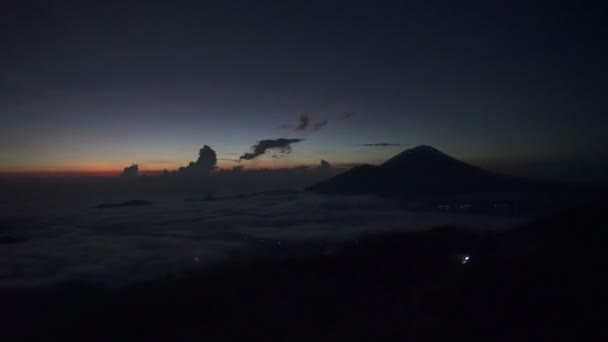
(420,171)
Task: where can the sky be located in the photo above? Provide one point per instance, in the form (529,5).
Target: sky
(95,87)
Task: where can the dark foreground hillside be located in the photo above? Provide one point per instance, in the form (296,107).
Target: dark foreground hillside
(541,282)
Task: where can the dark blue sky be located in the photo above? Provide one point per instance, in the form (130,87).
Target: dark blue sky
(95,87)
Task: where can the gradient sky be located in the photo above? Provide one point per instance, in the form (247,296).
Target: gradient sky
(98,86)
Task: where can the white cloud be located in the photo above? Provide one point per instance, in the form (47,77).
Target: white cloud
(121,245)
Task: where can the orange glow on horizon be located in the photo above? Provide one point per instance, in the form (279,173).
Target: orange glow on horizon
(115,168)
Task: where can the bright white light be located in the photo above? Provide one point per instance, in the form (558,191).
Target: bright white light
(465,260)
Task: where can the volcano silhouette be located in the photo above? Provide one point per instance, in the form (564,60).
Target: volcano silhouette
(422,170)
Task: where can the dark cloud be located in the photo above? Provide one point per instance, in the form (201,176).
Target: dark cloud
(324,167)
(306,124)
(382,145)
(281,146)
(346,115)
(206,162)
(318,125)
(303,124)
(130,171)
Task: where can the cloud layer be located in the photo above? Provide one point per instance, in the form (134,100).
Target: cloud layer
(122,245)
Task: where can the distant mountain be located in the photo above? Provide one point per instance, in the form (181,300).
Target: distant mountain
(422,170)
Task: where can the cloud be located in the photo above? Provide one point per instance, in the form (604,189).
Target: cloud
(206,162)
(121,246)
(303,124)
(324,168)
(382,145)
(281,146)
(346,115)
(130,171)
(318,125)
(306,124)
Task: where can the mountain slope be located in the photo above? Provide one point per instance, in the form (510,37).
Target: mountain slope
(422,170)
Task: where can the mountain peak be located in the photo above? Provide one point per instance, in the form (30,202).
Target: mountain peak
(421,170)
(418,152)
(422,148)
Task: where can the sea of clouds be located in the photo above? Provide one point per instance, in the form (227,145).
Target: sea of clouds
(117,246)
